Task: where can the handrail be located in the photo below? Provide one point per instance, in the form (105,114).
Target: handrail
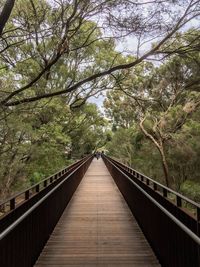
(21,218)
(165,189)
(172,217)
(26,192)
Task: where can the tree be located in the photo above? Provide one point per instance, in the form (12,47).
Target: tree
(161,105)
(69,49)
(34,143)
(5,14)
(86,130)
(51,32)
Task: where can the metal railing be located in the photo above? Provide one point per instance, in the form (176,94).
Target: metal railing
(16,200)
(27,227)
(169,198)
(172,233)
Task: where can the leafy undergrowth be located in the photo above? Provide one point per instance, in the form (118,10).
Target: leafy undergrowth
(191,189)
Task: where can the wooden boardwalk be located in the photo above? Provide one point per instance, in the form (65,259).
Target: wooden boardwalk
(97,228)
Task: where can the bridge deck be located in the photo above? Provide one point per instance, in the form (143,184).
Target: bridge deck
(97,228)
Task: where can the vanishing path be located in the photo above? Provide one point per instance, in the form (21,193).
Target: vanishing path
(97,228)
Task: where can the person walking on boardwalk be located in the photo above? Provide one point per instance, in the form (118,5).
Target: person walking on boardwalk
(97,155)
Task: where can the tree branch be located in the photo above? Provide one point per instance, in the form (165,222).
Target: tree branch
(5,14)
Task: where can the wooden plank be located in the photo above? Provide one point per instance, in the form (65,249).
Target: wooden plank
(97,228)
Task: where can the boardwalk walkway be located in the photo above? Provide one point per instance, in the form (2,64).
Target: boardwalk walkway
(97,228)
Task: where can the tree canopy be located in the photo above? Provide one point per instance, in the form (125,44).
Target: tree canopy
(142,56)
(49,36)
(154,111)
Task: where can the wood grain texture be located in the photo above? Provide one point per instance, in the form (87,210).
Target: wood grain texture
(97,228)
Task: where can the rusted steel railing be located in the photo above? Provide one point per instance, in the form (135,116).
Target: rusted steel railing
(13,202)
(172,232)
(26,227)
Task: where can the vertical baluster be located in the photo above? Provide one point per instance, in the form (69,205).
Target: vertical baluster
(27,194)
(155,187)
(37,188)
(178,201)
(198,220)
(12,204)
(164,192)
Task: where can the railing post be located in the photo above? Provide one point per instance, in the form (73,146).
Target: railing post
(27,195)
(45,183)
(155,186)
(37,188)
(198,220)
(178,201)
(12,204)
(164,192)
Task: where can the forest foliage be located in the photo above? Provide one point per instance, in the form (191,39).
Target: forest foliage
(57,54)
(155,116)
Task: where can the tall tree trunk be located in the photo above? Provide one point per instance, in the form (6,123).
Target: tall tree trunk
(164,164)
(5,14)
(159,145)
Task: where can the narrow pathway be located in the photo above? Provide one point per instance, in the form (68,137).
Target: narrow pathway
(97,228)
